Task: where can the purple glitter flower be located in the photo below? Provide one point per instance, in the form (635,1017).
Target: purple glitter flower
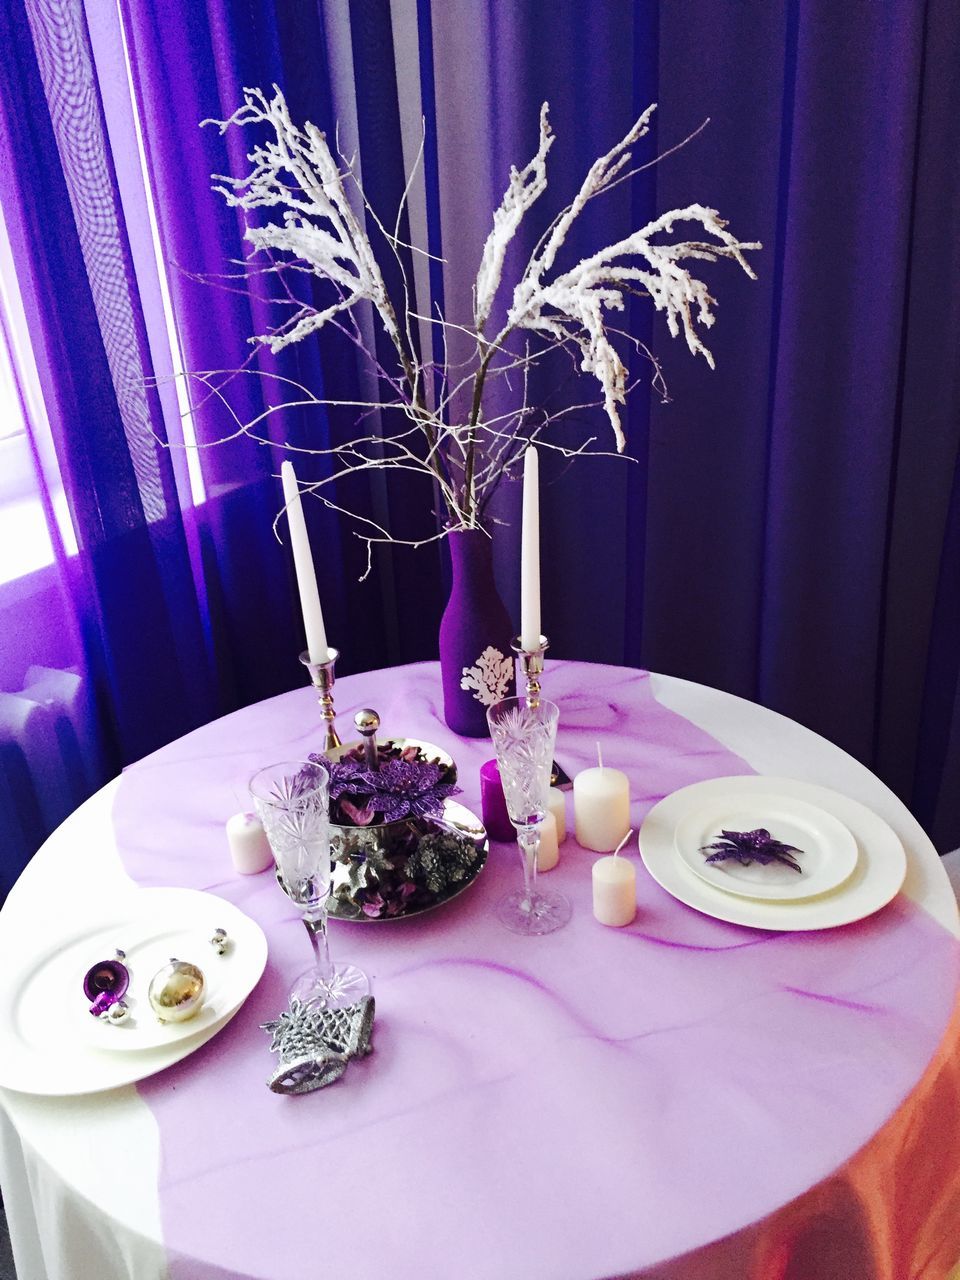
(399,789)
(343,774)
(752,846)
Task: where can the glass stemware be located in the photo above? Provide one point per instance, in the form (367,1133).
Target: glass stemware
(524,737)
(292,802)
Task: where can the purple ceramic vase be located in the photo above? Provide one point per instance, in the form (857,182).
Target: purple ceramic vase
(476,661)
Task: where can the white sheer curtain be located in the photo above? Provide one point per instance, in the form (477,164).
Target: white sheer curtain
(49,752)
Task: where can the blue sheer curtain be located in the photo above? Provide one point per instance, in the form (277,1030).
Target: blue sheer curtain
(787,527)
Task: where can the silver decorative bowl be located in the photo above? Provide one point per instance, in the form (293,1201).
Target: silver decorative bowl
(391,870)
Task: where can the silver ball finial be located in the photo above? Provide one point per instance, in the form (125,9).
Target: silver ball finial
(368,722)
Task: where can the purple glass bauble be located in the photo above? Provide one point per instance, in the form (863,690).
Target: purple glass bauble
(105,984)
(476,661)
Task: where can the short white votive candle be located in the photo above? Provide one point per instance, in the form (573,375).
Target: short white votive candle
(557,804)
(601,808)
(548,855)
(614,891)
(249,846)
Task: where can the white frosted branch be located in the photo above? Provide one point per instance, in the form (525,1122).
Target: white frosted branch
(600,176)
(524,189)
(574,306)
(317,223)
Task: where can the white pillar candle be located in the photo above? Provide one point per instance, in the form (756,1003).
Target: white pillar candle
(548,855)
(530,554)
(615,889)
(249,846)
(303,563)
(557,804)
(601,807)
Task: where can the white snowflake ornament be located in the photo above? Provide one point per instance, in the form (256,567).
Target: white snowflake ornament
(490,678)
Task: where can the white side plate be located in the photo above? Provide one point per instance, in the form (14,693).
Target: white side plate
(827,857)
(876,880)
(54,1046)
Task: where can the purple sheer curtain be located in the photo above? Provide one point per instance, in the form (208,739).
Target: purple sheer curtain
(788,527)
(802,494)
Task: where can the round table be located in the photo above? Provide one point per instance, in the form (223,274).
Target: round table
(580,1105)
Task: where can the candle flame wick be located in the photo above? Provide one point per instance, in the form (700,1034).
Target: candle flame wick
(623,842)
(599,756)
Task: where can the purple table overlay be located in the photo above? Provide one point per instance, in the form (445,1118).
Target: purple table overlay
(597,1102)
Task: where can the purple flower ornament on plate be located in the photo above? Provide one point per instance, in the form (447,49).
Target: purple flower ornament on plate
(747,847)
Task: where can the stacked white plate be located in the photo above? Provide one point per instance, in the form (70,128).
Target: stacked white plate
(852,863)
(52,1044)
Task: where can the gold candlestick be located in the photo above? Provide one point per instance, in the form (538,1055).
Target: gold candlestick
(322,678)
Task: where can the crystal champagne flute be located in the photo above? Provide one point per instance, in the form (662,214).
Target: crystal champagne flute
(292,802)
(524,737)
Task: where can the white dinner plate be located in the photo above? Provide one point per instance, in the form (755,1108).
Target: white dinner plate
(876,879)
(826,858)
(54,1046)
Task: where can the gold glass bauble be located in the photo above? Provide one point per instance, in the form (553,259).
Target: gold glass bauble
(176,991)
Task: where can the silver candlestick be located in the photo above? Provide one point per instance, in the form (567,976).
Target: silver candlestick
(322,678)
(531,664)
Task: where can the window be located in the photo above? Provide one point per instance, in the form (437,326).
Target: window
(25,543)
(29,474)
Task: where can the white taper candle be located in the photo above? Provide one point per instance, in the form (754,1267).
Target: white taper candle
(530,554)
(303,563)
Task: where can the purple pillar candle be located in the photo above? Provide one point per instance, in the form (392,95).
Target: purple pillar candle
(493,805)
